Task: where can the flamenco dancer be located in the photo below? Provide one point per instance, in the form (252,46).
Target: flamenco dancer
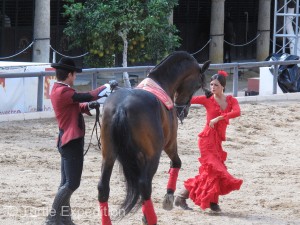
(213,179)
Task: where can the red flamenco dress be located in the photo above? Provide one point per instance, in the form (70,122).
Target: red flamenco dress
(213,178)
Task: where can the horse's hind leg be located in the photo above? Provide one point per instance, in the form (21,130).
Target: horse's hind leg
(103,190)
(173,175)
(145,184)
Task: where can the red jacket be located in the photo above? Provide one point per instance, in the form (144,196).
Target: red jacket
(68,106)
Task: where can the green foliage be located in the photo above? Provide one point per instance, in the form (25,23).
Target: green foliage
(95,26)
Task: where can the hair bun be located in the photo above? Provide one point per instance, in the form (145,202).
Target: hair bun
(223,73)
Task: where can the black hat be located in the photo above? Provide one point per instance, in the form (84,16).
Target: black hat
(66,64)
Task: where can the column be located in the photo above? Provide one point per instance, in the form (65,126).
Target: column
(216,31)
(41,31)
(264,20)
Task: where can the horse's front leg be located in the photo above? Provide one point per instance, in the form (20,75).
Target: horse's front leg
(104,189)
(173,175)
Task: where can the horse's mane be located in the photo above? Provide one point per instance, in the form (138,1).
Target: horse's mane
(172,59)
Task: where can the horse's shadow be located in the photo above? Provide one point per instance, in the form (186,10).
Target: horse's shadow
(228,214)
(255,218)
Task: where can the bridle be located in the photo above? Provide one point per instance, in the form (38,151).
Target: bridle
(180,109)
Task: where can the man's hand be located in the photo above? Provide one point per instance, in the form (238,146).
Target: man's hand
(113,84)
(93,105)
(104,91)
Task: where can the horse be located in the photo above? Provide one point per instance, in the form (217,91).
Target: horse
(138,125)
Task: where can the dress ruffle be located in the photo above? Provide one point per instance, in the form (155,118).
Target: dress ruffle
(213,179)
(209,184)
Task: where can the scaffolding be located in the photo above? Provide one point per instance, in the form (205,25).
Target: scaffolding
(286,27)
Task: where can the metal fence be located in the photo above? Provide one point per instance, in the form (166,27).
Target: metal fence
(116,72)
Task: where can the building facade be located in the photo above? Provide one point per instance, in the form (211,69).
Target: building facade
(192,18)
(17,35)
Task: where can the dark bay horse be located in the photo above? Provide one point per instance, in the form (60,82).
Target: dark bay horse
(137,126)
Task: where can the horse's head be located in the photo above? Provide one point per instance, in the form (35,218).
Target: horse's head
(189,85)
(180,75)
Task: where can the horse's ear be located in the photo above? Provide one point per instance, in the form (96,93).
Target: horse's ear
(205,66)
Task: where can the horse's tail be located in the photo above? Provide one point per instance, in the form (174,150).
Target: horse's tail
(127,156)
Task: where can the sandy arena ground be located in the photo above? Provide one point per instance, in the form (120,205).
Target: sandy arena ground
(263,150)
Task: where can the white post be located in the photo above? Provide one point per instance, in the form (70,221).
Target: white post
(290,31)
(264,21)
(41,31)
(217,31)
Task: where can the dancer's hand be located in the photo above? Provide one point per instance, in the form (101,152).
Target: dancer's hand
(213,122)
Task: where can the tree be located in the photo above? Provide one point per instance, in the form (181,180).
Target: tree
(139,29)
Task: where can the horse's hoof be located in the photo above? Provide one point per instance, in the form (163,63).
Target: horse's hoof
(144,221)
(168,202)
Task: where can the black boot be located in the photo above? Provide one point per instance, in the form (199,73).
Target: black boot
(215,207)
(52,220)
(66,214)
(60,200)
(181,198)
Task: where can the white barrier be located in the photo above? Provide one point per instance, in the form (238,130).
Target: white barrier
(266,82)
(243,99)
(19,95)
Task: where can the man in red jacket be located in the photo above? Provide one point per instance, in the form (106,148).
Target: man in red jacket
(68,106)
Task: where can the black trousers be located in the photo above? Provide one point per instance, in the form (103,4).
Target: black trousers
(71,163)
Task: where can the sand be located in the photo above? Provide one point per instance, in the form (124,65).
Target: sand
(263,150)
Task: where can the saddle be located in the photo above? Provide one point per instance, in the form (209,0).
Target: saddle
(151,86)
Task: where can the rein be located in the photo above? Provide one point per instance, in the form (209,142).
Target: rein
(180,111)
(97,122)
